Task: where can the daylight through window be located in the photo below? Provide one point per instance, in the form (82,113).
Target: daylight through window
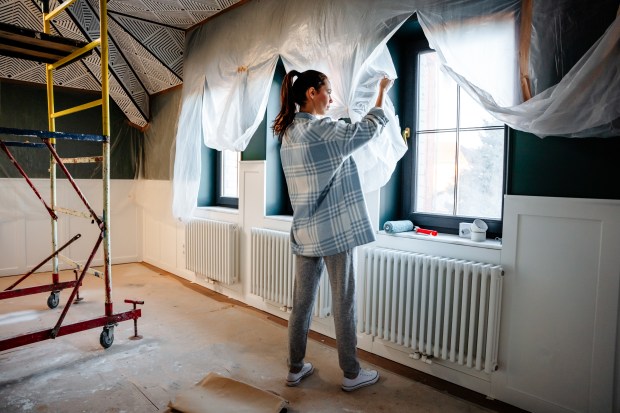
(229,174)
(460,149)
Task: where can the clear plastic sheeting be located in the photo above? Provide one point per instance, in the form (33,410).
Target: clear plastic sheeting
(585,103)
(229,68)
(376,161)
(478,44)
(346,41)
(230,63)
(186,174)
(159,138)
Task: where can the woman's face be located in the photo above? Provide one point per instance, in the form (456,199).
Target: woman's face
(322,98)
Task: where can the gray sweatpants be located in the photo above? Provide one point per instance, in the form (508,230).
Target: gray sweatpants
(341,272)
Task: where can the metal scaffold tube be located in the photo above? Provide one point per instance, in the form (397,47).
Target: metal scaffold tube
(105,115)
(49,77)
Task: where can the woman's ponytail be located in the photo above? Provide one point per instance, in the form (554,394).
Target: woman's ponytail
(294,94)
(287,105)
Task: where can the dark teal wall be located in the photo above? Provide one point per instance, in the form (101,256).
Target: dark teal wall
(256,149)
(563,167)
(390,206)
(24,106)
(206,192)
(277,202)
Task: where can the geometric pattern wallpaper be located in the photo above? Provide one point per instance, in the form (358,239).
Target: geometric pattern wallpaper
(146,41)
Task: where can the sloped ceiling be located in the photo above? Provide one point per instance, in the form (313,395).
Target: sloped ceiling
(146,45)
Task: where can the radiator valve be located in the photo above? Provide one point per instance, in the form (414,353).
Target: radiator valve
(426,358)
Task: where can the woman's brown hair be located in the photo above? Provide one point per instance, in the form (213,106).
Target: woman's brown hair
(293,93)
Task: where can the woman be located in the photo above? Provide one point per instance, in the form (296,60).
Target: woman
(329,213)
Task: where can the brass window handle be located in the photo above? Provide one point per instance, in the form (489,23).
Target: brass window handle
(406,134)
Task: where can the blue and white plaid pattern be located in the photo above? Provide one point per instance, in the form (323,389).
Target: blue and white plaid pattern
(329,210)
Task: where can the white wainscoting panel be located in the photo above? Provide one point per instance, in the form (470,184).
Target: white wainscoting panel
(25,229)
(163,235)
(559,342)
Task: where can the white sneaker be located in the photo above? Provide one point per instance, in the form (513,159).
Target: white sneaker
(293,379)
(363,379)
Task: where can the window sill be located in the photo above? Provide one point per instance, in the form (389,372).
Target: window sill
(286,218)
(446,239)
(202,212)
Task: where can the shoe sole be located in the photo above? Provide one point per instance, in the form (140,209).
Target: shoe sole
(360,385)
(296,382)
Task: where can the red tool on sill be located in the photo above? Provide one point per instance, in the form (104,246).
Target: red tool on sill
(419,230)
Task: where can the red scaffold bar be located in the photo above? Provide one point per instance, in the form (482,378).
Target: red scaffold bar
(23,173)
(39,266)
(57,328)
(38,289)
(42,335)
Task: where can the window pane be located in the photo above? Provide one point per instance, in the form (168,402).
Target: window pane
(436,155)
(229,174)
(436,96)
(480,173)
(473,115)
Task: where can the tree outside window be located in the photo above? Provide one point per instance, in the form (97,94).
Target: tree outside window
(459,149)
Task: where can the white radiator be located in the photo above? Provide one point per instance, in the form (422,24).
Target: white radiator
(439,307)
(273,272)
(212,250)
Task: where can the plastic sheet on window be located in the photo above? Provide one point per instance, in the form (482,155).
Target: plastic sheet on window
(586,100)
(230,61)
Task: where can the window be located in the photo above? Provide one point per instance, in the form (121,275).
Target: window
(228,178)
(460,149)
(457,154)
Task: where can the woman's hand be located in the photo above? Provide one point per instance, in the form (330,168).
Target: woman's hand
(384,85)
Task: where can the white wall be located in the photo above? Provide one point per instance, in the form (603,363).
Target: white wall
(25,229)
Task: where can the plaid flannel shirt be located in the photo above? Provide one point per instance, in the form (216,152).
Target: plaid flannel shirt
(329,209)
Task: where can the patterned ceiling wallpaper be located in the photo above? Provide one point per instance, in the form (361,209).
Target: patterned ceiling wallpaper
(146,40)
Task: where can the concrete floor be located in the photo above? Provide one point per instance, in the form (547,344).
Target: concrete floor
(187,333)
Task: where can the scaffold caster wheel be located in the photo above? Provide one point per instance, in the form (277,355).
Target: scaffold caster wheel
(53,299)
(107,337)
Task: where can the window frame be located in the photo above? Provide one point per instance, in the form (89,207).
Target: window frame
(412,48)
(223,201)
